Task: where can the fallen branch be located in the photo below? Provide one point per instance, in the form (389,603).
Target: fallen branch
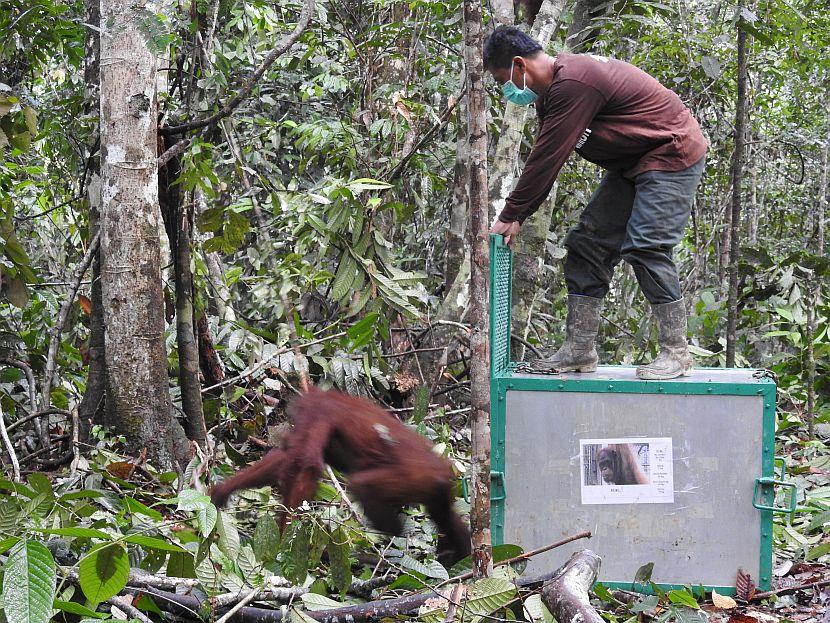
(283,46)
(186,605)
(566,594)
(789,589)
(124,604)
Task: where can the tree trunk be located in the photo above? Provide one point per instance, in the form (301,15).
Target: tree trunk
(735,225)
(178,218)
(752,224)
(810,381)
(457,231)
(822,193)
(138,398)
(92,404)
(479,369)
(503,12)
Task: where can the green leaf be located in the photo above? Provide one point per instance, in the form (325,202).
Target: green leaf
(366,183)
(16,291)
(83,494)
(819,520)
(266,540)
(433,570)
(818,551)
(294,552)
(104,572)
(601,591)
(340,568)
(137,508)
(248,565)
(409,581)
(7,543)
(683,598)
(148,542)
(75,608)
(180,565)
(206,513)
(78,532)
(344,277)
(29,583)
(30,117)
(537,610)
(228,535)
(643,574)
(315,602)
(488,595)
(648,604)
(209,577)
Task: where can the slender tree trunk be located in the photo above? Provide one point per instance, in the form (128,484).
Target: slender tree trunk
(735,225)
(822,193)
(812,301)
(178,217)
(503,12)
(752,224)
(479,368)
(457,231)
(92,404)
(138,397)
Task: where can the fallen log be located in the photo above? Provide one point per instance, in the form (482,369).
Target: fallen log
(566,594)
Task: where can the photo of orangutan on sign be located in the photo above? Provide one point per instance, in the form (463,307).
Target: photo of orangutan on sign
(616,464)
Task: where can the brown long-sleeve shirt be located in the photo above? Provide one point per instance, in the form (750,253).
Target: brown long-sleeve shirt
(614,115)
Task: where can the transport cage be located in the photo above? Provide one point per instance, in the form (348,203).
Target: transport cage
(678,473)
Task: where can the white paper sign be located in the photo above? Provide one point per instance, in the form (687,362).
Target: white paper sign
(634,470)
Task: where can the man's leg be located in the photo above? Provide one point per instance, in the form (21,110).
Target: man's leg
(662,204)
(593,250)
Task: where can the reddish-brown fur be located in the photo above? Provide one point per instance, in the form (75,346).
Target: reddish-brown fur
(388,465)
(619,466)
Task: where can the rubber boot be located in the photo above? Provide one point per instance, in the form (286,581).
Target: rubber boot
(579,352)
(674,359)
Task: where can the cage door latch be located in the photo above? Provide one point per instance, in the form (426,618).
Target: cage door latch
(765,489)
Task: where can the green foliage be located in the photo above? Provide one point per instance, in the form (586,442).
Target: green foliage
(104,572)
(28,583)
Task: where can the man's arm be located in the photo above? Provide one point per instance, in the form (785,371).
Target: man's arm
(571,106)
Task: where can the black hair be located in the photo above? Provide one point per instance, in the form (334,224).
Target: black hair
(506,42)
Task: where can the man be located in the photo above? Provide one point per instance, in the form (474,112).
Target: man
(622,119)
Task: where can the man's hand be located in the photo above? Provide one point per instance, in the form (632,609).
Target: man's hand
(508,230)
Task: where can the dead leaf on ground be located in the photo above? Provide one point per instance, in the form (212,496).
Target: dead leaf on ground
(121,469)
(723,601)
(783,569)
(742,618)
(744,586)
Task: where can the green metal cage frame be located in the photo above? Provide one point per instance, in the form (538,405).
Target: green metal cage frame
(503,379)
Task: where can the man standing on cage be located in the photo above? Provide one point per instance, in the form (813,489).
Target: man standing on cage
(620,118)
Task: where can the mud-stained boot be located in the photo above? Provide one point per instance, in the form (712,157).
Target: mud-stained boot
(579,352)
(674,359)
